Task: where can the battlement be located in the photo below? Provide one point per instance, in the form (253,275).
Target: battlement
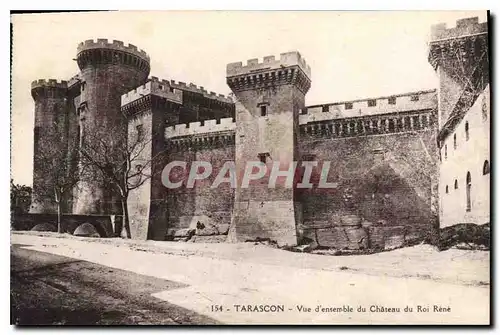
(194,128)
(192,88)
(49,83)
(154,88)
(103,43)
(412,101)
(464,27)
(287,59)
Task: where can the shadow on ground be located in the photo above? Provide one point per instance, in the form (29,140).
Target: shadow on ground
(47,289)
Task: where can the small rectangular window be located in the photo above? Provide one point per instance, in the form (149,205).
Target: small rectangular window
(414,98)
(348,105)
(140,132)
(37,134)
(416,122)
(391,125)
(263,110)
(372,103)
(392,100)
(263,157)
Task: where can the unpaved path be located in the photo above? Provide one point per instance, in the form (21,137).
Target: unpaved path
(230,276)
(47,289)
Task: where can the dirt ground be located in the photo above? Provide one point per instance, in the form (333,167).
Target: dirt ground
(466,267)
(231,275)
(48,289)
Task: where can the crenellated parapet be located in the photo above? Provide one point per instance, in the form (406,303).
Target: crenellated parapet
(48,88)
(468,40)
(49,83)
(103,43)
(291,68)
(464,27)
(155,88)
(286,59)
(370,125)
(171,91)
(400,103)
(201,135)
(219,139)
(102,51)
(193,88)
(200,128)
(140,98)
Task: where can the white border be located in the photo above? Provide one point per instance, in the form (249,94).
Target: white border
(195,5)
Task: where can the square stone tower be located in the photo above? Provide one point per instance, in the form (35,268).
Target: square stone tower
(269,98)
(460,57)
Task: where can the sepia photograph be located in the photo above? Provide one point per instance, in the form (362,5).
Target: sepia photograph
(250,168)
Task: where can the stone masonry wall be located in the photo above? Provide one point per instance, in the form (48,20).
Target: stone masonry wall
(382,181)
(206,210)
(51,123)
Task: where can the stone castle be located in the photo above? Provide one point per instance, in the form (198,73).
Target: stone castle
(386,153)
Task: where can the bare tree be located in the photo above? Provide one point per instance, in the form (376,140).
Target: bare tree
(55,170)
(123,161)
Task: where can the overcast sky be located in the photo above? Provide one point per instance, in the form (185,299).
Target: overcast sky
(352,54)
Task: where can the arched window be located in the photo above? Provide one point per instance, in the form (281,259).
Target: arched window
(446,189)
(486,167)
(456,184)
(484,108)
(467,130)
(445,151)
(468,187)
(454,141)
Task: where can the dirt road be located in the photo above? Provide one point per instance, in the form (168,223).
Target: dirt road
(230,283)
(51,289)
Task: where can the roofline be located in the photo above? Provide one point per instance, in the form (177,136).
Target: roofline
(376,98)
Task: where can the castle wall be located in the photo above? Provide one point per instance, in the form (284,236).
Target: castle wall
(212,207)
(471,154)
(384,168)
(211,142)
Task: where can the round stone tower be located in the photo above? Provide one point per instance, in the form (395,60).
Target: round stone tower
(50,126)
(108,70)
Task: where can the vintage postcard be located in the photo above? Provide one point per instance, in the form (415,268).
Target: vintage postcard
(250,168)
